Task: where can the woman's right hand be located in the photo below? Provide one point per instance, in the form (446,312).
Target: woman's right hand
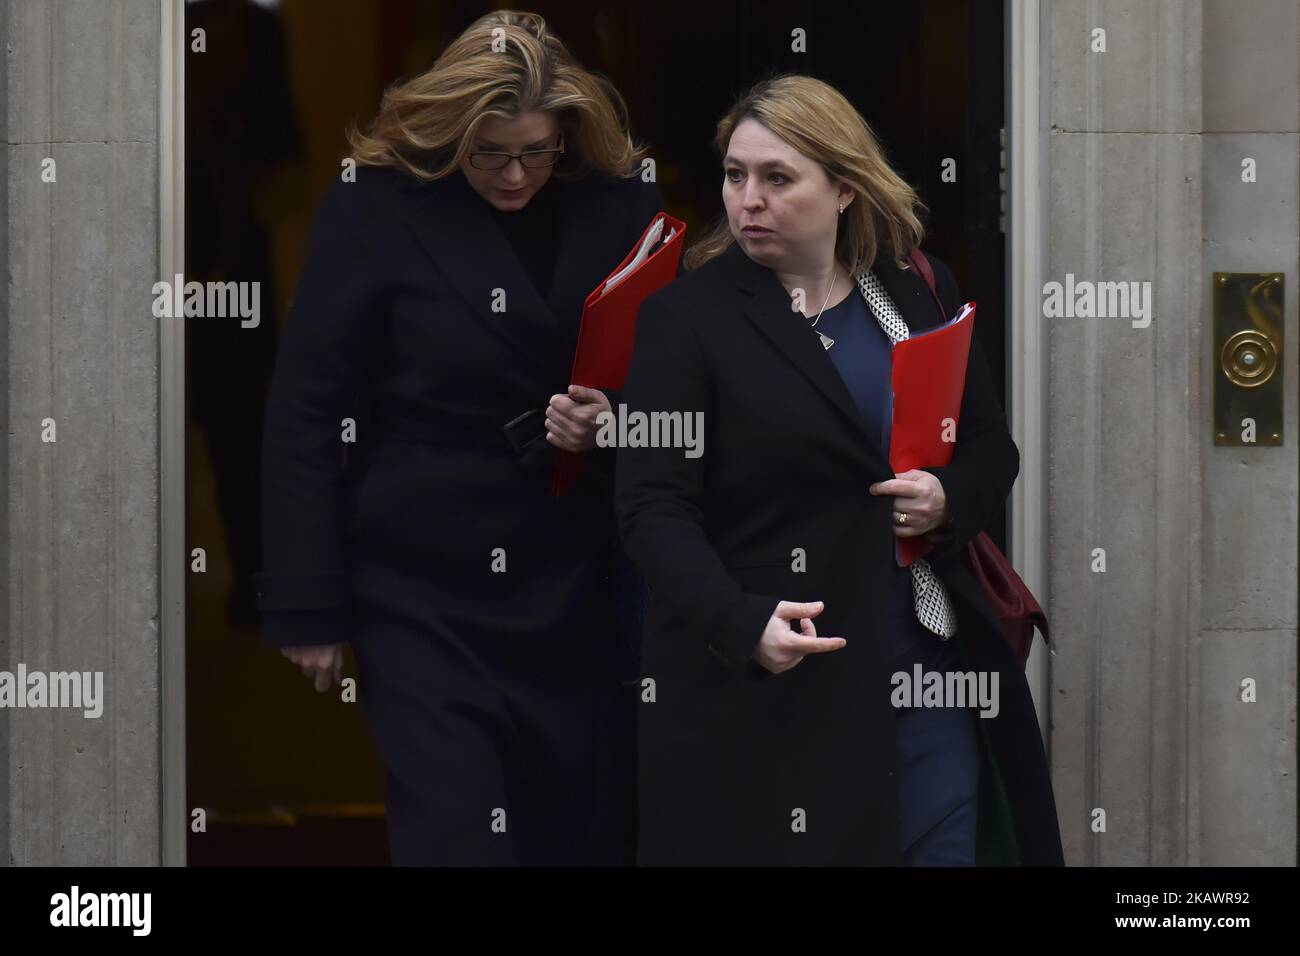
(321,662)
(782,648)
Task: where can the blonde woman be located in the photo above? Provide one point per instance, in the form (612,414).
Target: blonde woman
(436,315)
(778,616)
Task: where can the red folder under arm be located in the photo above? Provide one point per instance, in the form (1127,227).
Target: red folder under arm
(608,329)
(928,381)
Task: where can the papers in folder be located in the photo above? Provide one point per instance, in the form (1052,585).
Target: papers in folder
(929,379)
(608,329)
(648,243)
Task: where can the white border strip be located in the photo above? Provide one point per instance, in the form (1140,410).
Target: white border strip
(171,438)
(1027,355)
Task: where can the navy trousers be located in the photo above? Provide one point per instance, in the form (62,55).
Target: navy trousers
(938,757)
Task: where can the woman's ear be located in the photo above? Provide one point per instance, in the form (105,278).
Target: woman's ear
(846,195)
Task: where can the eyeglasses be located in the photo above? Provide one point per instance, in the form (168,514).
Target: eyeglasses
(533,159)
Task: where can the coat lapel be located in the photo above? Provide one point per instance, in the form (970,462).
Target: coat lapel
(768,307)
(578,263)
(453,224)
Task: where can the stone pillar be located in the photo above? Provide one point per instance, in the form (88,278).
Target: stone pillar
(1200,581)
(81,532)
(1247,628)
(4,446)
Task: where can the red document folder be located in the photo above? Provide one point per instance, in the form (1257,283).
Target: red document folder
(608,329)
(928,381)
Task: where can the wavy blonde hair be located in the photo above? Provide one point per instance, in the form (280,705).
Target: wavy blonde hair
(425,125)
(818,121)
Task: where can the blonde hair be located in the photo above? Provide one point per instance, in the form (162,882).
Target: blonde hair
(427,124)
(818,121)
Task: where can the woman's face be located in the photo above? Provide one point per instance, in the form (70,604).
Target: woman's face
(782,207)
(510,187)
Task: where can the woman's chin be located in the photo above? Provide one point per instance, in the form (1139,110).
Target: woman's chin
(761,249)
(507,201)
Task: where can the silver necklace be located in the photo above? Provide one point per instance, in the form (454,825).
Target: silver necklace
(827,341)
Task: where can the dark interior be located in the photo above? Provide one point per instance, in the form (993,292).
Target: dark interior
(288,776)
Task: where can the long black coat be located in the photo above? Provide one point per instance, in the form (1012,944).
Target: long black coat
(437,520)
(728,751)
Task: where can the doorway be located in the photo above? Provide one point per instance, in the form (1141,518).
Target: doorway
(290,777)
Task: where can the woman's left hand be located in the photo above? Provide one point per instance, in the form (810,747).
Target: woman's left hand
(571,419)
(918,495)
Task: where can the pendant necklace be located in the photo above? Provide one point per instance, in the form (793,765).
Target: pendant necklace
(827,341)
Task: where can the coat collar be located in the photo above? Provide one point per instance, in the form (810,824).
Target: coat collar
(454,225)
(768,309)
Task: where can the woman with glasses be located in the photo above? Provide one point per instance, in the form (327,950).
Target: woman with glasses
(428,353)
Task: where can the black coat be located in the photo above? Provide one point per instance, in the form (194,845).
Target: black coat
(729,751)
(393,325)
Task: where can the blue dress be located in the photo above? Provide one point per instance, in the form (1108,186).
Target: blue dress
(938,748)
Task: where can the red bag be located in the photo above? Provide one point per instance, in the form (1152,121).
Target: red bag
(1012,602)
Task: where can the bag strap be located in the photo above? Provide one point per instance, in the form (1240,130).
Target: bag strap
(922,265)
(981,553)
